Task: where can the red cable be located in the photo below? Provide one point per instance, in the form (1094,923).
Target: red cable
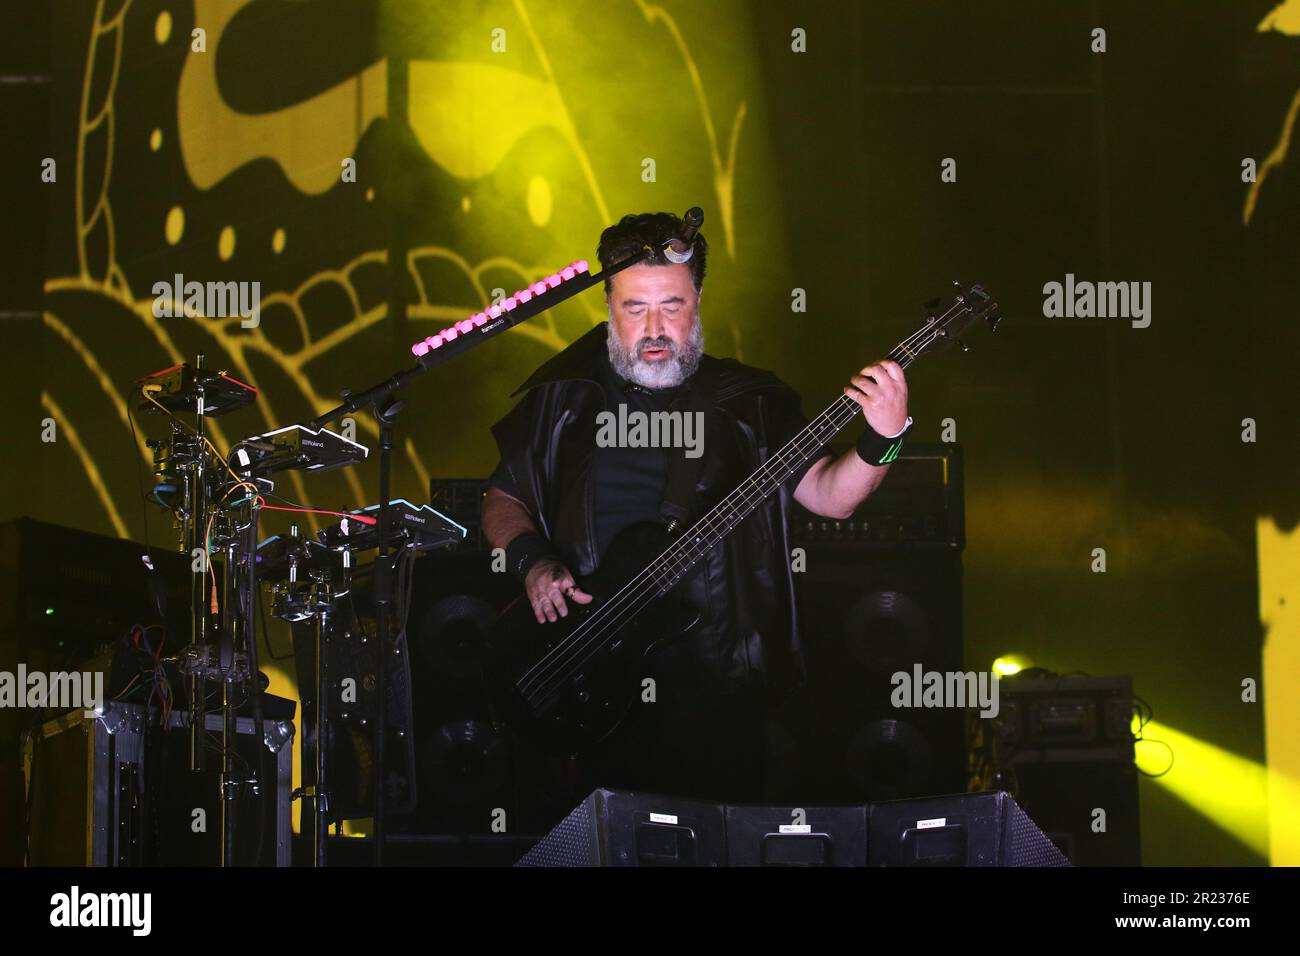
(364,519)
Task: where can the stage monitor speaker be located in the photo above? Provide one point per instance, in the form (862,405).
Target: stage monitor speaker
(619,828)
(616,828)
(968,829)
(796,836)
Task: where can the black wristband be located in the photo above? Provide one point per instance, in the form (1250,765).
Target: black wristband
(878,450)
(525,551)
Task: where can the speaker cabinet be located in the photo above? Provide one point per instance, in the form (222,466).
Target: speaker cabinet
(619,828)
(879,594)
(467,770)
(1064,797)
(968,829)
(867,613)
(796,836)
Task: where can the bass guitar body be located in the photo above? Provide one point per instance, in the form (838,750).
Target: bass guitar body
(568,684)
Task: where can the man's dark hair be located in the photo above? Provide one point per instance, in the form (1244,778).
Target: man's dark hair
(644,229)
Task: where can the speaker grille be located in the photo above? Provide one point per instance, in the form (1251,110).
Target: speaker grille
(1028,845)
(569,844)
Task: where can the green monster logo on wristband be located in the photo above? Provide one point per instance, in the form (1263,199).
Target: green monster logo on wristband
(890,455)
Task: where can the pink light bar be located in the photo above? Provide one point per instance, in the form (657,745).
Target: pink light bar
(509,304)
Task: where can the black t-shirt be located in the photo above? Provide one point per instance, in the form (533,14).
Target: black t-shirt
(629,481)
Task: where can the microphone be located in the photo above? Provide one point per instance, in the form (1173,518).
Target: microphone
(681,249)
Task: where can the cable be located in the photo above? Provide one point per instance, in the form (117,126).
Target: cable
(1143,719)
(32,733)
(145,390)
(364,519)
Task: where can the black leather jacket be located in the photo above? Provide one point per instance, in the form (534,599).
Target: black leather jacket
(749,635)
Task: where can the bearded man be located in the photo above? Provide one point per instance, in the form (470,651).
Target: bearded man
(559,497)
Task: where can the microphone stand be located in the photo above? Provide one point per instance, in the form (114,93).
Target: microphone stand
(386,413)
(379,399)
(196,538)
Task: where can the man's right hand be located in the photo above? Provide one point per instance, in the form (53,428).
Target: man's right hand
(548,583)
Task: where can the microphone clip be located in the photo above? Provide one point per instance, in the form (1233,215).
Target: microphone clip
(672,255)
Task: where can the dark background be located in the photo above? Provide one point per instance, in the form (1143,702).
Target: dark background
(1078,433)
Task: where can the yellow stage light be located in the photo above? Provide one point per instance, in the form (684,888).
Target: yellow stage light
(1009,664)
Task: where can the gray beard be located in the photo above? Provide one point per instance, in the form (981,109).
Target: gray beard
(666,373)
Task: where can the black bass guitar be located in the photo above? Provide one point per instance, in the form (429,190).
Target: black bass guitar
(568,684)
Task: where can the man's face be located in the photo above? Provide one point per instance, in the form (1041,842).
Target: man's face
(655,336)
